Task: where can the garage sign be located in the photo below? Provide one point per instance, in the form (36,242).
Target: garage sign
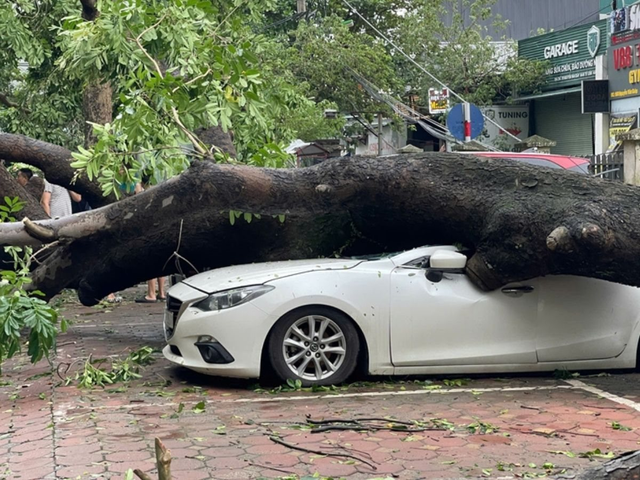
(570,54)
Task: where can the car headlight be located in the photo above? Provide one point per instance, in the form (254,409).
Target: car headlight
(231,298)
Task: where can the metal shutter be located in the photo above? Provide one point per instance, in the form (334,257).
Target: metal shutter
(558,118)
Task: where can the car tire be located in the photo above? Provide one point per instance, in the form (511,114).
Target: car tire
(328,358)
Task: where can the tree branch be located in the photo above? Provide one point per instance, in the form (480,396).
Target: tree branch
(11,104)
(89,10)
(55,161)
(197,144)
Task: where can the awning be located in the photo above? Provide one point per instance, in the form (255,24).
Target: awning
(553,93)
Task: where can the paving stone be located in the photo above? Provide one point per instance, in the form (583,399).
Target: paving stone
(84,459)
(37,473)
(180,464)
(224,463)
(329,467)
(130,456)
(78,450)
(202,474)
(76,441)
(221,452)
(45,445)
(489,439)
(278,460)
(234,474)
(271,449)
(122,467)
(121,432)
(79,471)
(20,464)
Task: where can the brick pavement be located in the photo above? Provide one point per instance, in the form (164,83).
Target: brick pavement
(50,430)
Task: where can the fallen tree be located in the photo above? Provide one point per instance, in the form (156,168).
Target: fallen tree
(54,160)
(518,221)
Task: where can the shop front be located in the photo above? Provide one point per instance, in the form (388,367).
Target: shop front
(573,56)
(624,71)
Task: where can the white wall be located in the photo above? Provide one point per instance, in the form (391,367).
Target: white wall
(393,140)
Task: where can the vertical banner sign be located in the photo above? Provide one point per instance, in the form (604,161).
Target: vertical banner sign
(620,123)
(619,21)
(595,96)
(438,101)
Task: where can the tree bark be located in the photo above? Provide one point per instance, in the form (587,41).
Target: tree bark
(97,107)
(90,10)
(55,161)
(518,221)
(624,467)
(215,136)
(9,187)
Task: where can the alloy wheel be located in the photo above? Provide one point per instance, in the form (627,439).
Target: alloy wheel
(314,347)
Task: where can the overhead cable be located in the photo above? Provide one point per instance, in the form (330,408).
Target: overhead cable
(433,77)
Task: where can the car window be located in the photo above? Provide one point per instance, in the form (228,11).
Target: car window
(534,161)
(581,168)
(421,262)
(374,256)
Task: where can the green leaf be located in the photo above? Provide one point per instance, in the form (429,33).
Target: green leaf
(199,407)
(618,426)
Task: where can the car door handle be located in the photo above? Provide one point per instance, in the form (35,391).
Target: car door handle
(517,291)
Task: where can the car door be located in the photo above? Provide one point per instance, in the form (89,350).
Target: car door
(584,318)
(452,322)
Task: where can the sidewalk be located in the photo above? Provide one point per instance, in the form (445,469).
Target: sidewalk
(502,427)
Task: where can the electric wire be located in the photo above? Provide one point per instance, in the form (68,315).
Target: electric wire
(424,70)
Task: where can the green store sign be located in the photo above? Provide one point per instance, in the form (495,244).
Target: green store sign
(570,53)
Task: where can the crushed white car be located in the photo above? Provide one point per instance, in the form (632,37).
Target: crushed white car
(414,312)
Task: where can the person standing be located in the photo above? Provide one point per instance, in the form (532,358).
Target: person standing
(24,175)
(151,296)
(56,200)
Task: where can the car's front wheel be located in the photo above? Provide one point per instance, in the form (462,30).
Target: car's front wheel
(316,345)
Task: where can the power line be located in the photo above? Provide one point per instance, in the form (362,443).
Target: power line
(436,129)
(433,77)
(587,17)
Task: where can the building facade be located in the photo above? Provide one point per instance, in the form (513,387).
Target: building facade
(573,55)
(624,71)
(526,17)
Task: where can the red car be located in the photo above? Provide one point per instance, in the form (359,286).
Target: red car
(576,164)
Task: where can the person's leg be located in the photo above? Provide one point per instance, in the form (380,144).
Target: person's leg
(150,297)
(151,289)
(162,295)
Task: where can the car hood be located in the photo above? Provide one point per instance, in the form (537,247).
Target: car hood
(258,273)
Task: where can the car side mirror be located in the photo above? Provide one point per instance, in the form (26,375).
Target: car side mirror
(445,261)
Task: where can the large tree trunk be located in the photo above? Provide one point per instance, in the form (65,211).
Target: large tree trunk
(623,467)
(55,161)
(518,221)
(97,107)
(9,187)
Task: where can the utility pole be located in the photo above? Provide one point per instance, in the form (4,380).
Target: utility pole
(379,134)
(302,6)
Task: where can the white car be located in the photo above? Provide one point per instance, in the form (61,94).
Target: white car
(410,313)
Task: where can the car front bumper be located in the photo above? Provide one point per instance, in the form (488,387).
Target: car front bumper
(222,343)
